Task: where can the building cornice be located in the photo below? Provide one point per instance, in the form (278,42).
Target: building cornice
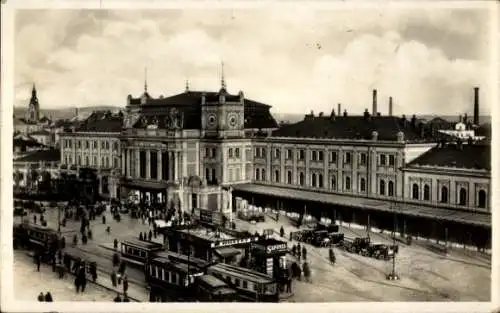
(442,170)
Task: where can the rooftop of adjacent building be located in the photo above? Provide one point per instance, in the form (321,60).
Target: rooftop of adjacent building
(457,155)
(45,155)
(207,233)
(100,121)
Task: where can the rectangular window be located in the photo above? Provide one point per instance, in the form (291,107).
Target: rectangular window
(391,160)
(288,154)
(207,152)
(277,153)
(320,156)
(362,159)
(347,158)
(95,144)
(213,153)
(102,145)
(382,160)
(207,174)
(237,153)
(230,152)
(301,154)
(214,178)
(333,156)
(314,155)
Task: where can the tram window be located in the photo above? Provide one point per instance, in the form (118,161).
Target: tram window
(237,282)
(245,284)
(255,287)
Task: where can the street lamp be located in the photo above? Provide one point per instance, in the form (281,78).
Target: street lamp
(393,275)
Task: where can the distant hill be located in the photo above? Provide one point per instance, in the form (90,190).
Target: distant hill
(56,114)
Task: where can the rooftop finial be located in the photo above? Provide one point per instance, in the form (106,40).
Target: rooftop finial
(187,85)
(145,79)
(222,80)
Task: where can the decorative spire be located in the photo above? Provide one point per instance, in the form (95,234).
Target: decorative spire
(187,85)
(145,79)
(222,80)
(33,91)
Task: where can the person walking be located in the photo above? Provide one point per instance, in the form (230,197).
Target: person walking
(332,256)
(307,271)
(289,284)
(294,250)
(304,253)
(282,232)
(38,261)
(140,236)
(113,278)
(115,243)
(77,284)
(41,297)
(150,235)
(104,219)
(34,219)
(125,284)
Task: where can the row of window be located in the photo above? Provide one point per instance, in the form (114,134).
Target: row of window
(234,153)
(162,274)
(318,156)
(87,161)
(88,144)
(444,195)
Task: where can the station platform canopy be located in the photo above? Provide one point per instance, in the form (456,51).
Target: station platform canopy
(409,209)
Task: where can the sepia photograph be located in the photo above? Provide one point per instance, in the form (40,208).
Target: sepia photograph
(249,153)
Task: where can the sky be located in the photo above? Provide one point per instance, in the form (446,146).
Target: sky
(428,60)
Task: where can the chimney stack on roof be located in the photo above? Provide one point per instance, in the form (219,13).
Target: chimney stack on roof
(390,106)
(366,114)
(345,112)
(476,106)
(374,102)
(339,112)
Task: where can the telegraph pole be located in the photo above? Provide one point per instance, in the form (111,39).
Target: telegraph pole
(393,275)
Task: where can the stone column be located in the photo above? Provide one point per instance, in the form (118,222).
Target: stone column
(176,166)
(129,163)
(148,164)
(171,166)
(123,164)
(137,163)
(158,166)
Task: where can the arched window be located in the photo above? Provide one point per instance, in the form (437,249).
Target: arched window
(414,192)
(427,192)
(320,180)
(444,194)
(382,187)
(391,189)
(348,183)
(257,174)
(313,180)
(277,176)
(301,179)
(333,183)
(481,199)
(462,196)
(79,160)
(263,174)
(289,177)
(362,185)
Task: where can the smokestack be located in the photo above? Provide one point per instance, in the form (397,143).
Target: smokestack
(374,109)
(390,106)
(476,105)
(339,112)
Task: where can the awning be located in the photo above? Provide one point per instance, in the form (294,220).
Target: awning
(410,209)
(227,252)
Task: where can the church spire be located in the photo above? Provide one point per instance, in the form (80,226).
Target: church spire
(187,85)
(33,91)
(145,80)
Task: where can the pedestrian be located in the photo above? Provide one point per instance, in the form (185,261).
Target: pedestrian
(117,298)
(48,297)
(282,232)
(61,271)
(41,297)
(77,284)
(307,271)
(122,268)
(63,242)
(291,238)
(125,284)
(108,229)
(84,282)
(84,239)
(34,219)
(113,278)
(38,262)
(89,233)
(140,236)
(75,239)
(104,219)
(289,284)
(332,256)
(125,298)
(150,235)
(115,243)
(298,254)
(116,259)
(304,253)
(294,249)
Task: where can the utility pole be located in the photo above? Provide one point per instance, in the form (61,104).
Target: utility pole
(393,275)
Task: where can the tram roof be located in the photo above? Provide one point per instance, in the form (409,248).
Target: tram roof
(142,244)
(410,209)
(243,273)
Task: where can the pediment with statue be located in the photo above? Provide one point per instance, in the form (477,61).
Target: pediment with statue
(130,120)
(174,119)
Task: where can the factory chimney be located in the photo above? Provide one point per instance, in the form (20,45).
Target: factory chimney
(390,106)
(476,105)
(374,108)
(339,112)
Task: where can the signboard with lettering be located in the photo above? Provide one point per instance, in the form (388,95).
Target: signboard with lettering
(276,248)
(211,217)
(231,242)
(269,266)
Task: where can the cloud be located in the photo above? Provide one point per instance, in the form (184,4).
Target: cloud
(292,60)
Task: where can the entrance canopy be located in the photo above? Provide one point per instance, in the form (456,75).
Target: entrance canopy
(470,218)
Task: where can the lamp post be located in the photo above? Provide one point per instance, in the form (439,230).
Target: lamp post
(393,275)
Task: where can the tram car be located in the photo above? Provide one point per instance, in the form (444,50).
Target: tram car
(36,237)
(137,252)
(209,288)
(171,281)
(74,258)
(250,285)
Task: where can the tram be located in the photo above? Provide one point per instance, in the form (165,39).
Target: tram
(250,285)
(74,258)
(36,237)
(137,252)
(209,288)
